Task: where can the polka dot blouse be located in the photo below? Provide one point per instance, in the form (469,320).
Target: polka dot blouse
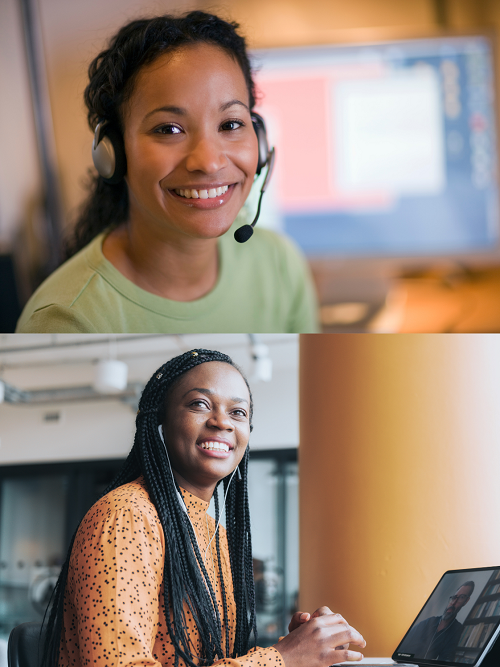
(114,606)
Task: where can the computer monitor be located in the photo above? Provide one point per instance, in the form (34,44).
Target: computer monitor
(385,150)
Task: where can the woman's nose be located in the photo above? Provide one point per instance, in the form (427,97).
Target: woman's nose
(206,155)
(219,419)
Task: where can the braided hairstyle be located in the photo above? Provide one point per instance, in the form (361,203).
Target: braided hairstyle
(185,580)
(111,80)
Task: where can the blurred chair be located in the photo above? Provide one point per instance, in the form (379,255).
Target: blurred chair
(24,648)
(10,308)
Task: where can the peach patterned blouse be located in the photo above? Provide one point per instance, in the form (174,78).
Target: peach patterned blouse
(114,608)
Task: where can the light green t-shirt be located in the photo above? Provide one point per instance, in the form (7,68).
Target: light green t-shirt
(264,285)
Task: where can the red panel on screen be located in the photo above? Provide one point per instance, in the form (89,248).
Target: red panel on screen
(300,121)
(299,112)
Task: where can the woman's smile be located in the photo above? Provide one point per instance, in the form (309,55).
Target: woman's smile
(216,447)
(203,197)
(204,193)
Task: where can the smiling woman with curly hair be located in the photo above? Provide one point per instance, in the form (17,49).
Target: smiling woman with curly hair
(178,145)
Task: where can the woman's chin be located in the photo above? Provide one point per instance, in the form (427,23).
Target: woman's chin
(210,229)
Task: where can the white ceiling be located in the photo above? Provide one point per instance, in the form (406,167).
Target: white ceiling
(31,361)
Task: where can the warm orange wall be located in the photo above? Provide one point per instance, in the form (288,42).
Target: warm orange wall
(286,22)
(399,468)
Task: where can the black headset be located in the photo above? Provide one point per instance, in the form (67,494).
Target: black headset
(108,155)
(108,151)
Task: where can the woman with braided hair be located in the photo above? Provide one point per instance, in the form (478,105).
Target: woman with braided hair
(177,146)
(150,578)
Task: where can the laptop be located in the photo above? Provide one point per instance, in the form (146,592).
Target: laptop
(458,625)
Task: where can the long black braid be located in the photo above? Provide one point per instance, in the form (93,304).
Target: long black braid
(185,580)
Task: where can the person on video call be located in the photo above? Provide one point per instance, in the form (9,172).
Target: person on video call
(438,636)
(153,249)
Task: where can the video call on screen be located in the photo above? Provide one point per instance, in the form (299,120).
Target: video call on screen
(457,621)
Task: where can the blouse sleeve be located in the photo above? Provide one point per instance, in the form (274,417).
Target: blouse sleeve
(115,579)
(116,575)
(261,657)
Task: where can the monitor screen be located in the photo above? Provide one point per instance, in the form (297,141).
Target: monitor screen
(458,621)
(385,149)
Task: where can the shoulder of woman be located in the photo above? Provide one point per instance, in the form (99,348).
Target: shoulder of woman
(295,277)
(128,499)
(48,309)
(120,530)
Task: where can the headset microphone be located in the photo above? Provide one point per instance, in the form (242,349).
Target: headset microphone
(244,233)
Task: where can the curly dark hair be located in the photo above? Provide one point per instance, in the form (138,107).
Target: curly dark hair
(186,582)
(111,81)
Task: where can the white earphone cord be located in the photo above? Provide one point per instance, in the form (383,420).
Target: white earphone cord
(183,504)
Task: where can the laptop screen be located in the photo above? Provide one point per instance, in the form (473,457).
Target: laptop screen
(458,622)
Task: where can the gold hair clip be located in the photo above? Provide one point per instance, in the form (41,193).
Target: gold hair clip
(159,375)
(195,354)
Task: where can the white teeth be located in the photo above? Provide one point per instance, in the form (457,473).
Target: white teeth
(217,446)
(202,194)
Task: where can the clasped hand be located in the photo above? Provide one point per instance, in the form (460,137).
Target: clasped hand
(319,640)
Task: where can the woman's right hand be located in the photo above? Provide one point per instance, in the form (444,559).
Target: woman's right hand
(320,642)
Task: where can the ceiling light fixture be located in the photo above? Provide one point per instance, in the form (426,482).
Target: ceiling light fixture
(111,374)
(262,362)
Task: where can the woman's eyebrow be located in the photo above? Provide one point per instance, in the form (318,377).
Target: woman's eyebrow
(226,106)
(179,111)
(209,392)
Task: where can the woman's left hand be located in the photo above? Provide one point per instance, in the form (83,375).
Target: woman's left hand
(301,617)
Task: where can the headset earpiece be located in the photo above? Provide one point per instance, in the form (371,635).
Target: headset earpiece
(108,153)
(260,130)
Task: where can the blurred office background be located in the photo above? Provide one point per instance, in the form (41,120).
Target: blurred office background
(394,440)
(388,170)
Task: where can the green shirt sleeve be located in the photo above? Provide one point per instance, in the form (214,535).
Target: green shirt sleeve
(56,318)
